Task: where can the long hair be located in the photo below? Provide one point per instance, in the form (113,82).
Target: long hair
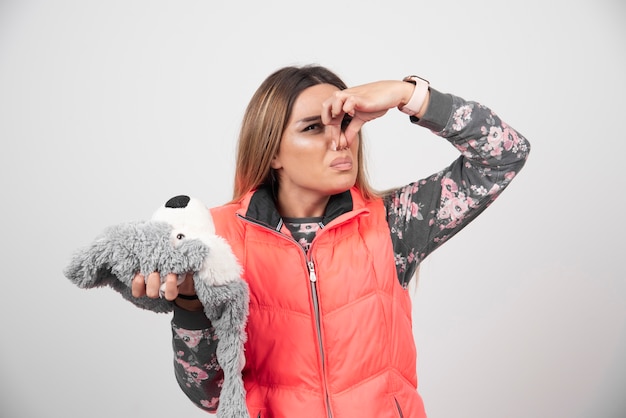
(265,120)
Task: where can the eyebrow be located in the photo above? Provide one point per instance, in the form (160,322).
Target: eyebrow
(310,119)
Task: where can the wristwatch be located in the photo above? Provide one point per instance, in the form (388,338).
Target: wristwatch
(419,94)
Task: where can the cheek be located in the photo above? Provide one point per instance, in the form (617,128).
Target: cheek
(302,149)
(301,144)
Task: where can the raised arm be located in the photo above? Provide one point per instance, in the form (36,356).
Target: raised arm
(425,214)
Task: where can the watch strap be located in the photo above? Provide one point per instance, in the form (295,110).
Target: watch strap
(416,101)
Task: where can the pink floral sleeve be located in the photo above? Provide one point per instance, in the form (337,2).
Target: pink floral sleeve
(195,366)
(425,214)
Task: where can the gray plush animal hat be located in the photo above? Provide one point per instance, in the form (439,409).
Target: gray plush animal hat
(179,238)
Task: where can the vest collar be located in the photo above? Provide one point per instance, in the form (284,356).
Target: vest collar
(259,206)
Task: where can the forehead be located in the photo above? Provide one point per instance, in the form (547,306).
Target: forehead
(309,102)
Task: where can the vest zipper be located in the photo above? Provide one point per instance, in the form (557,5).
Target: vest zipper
(318,327)
(313,282)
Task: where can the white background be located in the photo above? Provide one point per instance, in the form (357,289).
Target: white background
(108,108)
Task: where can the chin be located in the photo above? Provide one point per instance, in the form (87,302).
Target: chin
(342,188)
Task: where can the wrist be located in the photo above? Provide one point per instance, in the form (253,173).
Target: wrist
(189,304)
(419,98)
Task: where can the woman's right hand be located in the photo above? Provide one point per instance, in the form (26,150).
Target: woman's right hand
(150,287)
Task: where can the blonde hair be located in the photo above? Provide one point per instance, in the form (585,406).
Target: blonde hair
(265,120)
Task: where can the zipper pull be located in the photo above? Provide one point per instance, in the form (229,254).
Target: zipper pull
(312,275)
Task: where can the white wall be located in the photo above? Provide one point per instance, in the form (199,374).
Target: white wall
(108,108)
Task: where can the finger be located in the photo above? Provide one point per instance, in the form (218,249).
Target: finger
(349,106)
(326,115)
(171,286)
(342,142)
(332,120)
(138,285)
(352,130)
(334,132)
(332,109)
(153,282)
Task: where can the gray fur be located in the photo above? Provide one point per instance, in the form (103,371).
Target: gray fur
(122,250)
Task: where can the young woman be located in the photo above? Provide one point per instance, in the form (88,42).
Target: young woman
(327,258)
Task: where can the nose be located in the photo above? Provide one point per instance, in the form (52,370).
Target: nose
(337,138)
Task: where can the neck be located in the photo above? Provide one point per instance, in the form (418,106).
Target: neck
(293,205)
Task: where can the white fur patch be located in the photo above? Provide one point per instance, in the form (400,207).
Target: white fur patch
(195,222)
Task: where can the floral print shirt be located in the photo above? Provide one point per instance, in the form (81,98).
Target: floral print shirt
(421,215)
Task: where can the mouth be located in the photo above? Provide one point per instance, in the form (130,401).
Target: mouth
(341,163)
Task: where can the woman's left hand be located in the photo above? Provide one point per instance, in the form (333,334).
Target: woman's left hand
(364,103)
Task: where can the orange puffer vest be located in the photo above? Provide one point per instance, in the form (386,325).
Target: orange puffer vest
(329,332)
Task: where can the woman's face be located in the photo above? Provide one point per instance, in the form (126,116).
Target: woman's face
(308,164)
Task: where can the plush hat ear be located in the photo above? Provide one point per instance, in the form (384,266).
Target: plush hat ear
(180,201)
(117,254)
(227,308)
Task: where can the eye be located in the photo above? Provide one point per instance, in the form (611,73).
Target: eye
(180,236)
(312,127)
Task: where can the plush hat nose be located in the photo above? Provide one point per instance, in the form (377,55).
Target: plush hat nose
(178,202)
